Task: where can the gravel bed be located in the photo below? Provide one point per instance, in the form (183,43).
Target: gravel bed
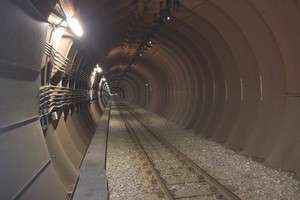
(167,164)
(249,179)
(127,173)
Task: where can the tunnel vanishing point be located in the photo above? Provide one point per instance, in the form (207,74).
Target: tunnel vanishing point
(229,69)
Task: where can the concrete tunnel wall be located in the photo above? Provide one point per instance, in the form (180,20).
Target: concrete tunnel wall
(228,69)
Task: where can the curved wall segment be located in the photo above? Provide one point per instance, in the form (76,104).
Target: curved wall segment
(236,55)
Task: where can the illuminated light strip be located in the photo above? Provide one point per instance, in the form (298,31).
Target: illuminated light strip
(75,26)
(261,88)
(242,89)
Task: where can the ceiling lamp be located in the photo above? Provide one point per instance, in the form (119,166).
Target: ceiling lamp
(75,26)
(98,68)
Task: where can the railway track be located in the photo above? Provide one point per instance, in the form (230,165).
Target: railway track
(177,175)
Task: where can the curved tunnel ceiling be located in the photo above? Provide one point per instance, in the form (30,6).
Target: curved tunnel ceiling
(227,69)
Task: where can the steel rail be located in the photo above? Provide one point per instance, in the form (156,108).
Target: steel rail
(150,164)
(226,193)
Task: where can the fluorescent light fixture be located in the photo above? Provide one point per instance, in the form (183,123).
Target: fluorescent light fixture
(53,19)
(75,26)
(98,68)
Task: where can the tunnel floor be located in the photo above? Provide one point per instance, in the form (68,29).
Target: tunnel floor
(127,175)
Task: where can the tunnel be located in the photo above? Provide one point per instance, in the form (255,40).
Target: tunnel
(226,69)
